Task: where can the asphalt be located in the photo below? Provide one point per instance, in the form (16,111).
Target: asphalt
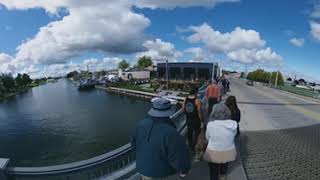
(264,108)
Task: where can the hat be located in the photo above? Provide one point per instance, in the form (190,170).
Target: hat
(161,108)
(220,112)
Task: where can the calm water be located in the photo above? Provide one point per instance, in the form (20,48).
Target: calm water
(56,123)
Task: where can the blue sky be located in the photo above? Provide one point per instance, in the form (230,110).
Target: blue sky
(162,30)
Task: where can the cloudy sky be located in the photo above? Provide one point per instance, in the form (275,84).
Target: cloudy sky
(50,38)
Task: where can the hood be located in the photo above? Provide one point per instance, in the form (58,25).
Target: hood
(154,122)
(227,124)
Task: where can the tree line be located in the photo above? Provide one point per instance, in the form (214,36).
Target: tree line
(143,62)
(262,76)
(9,84)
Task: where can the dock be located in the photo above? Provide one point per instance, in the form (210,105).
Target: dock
(139,94)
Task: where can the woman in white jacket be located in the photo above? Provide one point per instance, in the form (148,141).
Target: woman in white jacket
(220,134)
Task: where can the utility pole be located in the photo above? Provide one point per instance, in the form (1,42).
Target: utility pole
(276,82)
(270,79)
(167,74)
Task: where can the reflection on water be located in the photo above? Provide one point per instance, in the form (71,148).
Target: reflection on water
(56,123)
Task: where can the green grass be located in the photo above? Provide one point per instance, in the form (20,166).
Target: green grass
(19,90)
(300,91)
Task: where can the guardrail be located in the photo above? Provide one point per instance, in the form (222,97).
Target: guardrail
(117,164)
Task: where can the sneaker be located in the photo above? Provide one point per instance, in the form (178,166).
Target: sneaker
(223,177)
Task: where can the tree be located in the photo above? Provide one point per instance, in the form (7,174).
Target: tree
(123,64)
(8,82)
(302,81)
(144,62)
(289,79)
(2,89)
(72,74)
(26,79)
(260,75)
(19,81)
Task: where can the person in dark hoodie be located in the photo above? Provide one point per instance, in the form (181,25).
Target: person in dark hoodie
(160,150)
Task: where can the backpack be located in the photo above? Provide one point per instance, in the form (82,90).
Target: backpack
(190,107)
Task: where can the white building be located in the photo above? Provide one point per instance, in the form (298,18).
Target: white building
(134,73)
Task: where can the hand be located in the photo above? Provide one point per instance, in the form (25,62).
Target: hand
(182,175)
(202,125)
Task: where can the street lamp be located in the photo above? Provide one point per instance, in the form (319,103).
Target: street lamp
(276,81)
(167,75)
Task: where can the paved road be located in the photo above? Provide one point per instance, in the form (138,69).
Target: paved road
(264,108)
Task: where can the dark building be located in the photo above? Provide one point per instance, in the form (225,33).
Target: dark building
(187,71)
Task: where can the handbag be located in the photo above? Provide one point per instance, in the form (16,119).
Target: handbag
(201,144)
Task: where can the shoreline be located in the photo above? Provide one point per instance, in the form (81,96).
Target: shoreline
(27,88)
(135,93)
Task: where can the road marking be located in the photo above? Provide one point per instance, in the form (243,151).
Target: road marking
(306,112)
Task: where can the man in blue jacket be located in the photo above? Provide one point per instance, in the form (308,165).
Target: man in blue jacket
(160,150)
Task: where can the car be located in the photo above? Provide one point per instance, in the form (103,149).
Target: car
(249,83)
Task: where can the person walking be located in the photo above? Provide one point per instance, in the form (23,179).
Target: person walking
(221,131)
(221,89)
(192,109)
(212,94)
(160,150)
(231,103)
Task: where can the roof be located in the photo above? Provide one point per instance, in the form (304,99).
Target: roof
(188,64)
(136,69)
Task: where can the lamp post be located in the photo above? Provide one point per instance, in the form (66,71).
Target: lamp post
(276,81)
(167,75)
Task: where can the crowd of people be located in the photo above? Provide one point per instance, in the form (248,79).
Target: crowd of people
(213,125)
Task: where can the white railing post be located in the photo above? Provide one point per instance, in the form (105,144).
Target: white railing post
(3,165)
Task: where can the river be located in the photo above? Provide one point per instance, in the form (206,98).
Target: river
(55,124)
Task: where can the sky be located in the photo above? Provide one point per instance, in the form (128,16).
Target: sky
(50,38)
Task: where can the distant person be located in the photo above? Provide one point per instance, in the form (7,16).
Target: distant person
(192,109)
(224,84)
(221,131)
(231,103)
(160,150)
(228,86)
(221,89)
(212,94)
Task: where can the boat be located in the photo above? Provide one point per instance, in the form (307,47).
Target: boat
(172,101)
(86,84)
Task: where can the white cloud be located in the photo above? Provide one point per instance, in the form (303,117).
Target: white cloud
(247,56)
(5,58)
(197,54)
(221,42)
(170,4)
(159,50)
(316,10)
(48,5)
(241,45)
(98,25)
(315,30)
(6,65)
(299,42)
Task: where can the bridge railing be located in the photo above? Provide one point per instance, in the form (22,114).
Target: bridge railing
(117,164)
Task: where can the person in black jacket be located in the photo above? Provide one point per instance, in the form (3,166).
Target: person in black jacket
(160,150)
(192,109)
(231,103)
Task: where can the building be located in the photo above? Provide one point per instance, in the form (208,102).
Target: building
(134,73)
(187,71)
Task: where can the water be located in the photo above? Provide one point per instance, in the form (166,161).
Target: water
(55,124)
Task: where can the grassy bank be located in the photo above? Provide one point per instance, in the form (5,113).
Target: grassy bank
(20,90)
(300,91)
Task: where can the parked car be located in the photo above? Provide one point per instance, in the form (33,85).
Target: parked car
(250,83)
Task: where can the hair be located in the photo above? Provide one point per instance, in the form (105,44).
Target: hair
(193,91)
(231,103)
(220,112)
